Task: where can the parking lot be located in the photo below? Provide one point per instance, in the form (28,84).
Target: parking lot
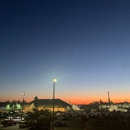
(71,124)
(15,127)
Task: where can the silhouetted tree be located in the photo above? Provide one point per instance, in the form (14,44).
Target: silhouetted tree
(39,119)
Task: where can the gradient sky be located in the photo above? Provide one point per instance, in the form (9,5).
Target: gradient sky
(85,44)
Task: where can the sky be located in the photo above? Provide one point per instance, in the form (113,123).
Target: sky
(85,44)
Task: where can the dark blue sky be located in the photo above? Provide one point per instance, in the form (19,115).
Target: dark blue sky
(85,44)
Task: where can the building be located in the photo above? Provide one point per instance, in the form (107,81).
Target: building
(7,106)
(90,108)
(59,105)
(2,106)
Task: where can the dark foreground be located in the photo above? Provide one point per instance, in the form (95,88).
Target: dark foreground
(71,124)
(107,125)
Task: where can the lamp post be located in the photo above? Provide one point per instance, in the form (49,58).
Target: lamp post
(24,93)
(54,81)
(84,101)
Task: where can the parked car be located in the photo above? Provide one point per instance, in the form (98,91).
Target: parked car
(60,123)
(24,124)
(3,115)
(18,119)
(9,118)
(8,122)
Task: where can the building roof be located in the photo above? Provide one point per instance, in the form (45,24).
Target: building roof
(48,102)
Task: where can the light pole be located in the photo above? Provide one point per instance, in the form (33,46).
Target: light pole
(54,81)
(84,101)
(24,93)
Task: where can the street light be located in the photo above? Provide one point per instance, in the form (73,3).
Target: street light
(24,93)
(84,101)
(54,81)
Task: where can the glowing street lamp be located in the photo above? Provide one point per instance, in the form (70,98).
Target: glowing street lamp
(54,81)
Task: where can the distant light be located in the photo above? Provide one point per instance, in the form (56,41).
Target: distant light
(24,93)
(54,80)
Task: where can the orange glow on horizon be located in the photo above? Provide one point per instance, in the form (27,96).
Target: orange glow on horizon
(68,100)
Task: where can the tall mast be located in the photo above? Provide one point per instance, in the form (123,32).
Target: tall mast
(108,97)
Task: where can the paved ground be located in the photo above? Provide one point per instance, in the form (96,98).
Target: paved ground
(71,124)
(15,127)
